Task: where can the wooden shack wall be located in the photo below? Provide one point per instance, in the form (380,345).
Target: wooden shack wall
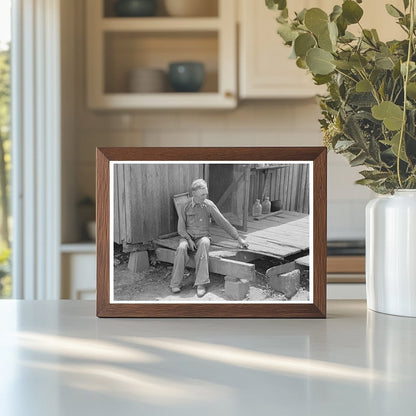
(143,205)
(290,185)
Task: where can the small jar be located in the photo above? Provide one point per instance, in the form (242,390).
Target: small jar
(257,208)
(266,206)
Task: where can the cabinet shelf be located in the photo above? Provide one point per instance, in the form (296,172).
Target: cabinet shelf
(160,24)
(198,100)
(116,46)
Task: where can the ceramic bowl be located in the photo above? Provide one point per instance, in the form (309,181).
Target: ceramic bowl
(186,76)
(135,8)
(147,80)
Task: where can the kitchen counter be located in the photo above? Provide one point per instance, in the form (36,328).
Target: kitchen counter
(57,358)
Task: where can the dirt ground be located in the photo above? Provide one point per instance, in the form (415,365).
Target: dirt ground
(153,285)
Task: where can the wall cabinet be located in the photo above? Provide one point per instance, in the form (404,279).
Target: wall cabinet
(118,45)
(265,70)
(264,66)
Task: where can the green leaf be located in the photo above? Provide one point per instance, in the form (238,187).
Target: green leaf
(384,62)
(347,37)
(396,70)
(287,33)
(343,145)
(303,43)
(358,160)
(394,143)
(363,86)
(342,25)
(336,12)
(375,35)
(316,20)
(321,79)
(412,67)
(406,4)
(374,174)
(358,61)
(292,52)
(362,99)
(368,36)
(325,42)
(411,90)
(353,131)
(345,65)
(351,11)
(333,32)
(301,63)
(382,89)
(365,182)
(301,15)
(276,4)
(281,19)
(374,150)
(405,21)
(393,11)
(319,61)
(391,114)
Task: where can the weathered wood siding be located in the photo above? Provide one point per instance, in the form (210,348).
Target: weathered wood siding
(143,205)
(290,185)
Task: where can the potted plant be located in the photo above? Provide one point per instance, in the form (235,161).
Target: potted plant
(368,116)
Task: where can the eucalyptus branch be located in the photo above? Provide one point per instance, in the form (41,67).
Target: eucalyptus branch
(392,90)
(405,81)
(346,75)
(373,88)
(398,95)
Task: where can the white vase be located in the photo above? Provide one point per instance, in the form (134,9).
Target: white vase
(391,253)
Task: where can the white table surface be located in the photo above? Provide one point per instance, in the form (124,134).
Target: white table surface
(57,358)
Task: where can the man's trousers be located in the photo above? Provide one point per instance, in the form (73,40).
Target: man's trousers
(201,261)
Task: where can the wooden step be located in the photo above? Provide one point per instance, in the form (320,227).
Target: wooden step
(218,265)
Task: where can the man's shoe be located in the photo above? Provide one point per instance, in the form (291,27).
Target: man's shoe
(176,289)
(200,291)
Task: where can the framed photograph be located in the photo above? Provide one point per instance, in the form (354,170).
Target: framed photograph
(211,232)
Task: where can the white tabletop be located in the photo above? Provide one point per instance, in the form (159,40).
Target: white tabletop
(57,358)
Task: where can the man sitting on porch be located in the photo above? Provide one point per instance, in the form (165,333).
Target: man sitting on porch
(193,227)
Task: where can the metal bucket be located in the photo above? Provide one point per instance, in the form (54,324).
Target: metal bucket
(284,278)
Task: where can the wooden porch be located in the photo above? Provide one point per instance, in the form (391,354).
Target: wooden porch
(280,235)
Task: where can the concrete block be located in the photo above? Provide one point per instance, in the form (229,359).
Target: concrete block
(286,283)
(236,290)
(138,261)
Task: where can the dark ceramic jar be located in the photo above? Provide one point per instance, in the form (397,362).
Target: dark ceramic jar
(135,8)
(186,76)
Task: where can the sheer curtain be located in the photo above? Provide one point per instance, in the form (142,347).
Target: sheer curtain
(36,156)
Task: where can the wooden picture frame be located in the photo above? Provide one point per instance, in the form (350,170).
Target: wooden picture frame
(255,161)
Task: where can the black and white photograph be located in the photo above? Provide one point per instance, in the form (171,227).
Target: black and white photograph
(211,232)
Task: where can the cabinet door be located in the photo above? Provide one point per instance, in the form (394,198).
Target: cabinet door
(266,71)
(78,276)
(265,68)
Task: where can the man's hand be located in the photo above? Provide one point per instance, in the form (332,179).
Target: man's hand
(242,243)
(191,245)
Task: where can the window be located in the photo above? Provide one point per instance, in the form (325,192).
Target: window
(5,147)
